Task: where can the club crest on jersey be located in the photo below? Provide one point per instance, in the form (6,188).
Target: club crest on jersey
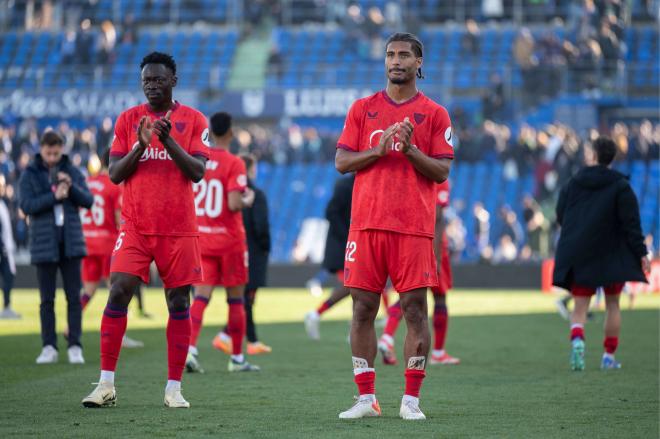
(419,117)
(180,126)
(152,153)
(371,115)
(241,180)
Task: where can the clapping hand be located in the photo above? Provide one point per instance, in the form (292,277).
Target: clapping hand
(405,134)
(162,128)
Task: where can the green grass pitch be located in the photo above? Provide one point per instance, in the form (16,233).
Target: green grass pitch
(514,381)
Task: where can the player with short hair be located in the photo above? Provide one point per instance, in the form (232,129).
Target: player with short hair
(600,245)
(159,150)
(399,143)
(440,314)
(219,199)
(100,226)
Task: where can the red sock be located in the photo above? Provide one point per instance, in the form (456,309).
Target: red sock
(178,340)
(393,319)
(577,331)
(366,382)
(196,317)
(610,344)
(414,379)
(440,320)
(324,307)
(84,300)
(236,324)
(113,328)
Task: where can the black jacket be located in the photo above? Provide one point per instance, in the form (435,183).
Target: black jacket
(601,240)
(257,230)
(338,213)
(37,200)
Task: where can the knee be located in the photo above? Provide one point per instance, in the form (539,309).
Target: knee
(364,312)
(178,300)
(120,293)
(415,315)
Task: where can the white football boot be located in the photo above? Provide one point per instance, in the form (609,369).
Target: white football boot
(102,396)
(174,399)
(363,408)
(312,321)
(410,411)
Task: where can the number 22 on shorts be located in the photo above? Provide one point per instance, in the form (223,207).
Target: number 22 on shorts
(119,241)
(351,246)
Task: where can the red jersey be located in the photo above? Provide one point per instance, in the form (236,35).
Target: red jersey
(442,197)
(220,229)
(390,194)
(99,224)
(158,197)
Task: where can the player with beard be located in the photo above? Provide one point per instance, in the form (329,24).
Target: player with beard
(398,142)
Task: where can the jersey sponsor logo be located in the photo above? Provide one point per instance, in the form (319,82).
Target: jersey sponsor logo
(374,139)
(205,137)
(448,137)
(152,153)
(419,117)
(241,180)
(180,126)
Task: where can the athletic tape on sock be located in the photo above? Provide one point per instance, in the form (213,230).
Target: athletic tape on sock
(417,363)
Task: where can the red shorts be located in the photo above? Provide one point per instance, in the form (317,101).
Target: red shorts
(610,290)
(177,257)
(373,255)
(95,268)
(445,281)
(228,269)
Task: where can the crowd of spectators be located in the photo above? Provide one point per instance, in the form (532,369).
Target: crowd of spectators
(589,52)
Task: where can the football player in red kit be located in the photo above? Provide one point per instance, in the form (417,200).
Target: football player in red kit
(399,143)
(159,150)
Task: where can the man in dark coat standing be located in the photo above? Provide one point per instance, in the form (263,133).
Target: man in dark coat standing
(338,214)
(257,231)
(601,245)
(51,191)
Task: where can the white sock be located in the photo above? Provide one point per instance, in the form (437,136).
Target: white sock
(387,339)
(577,325)
(608,356)
(238,358)
(438,352)
(192,350)
(412,399)
(107,377)
(368,397)
(359,370)
(173,385)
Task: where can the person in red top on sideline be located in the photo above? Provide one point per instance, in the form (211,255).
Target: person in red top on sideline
(100,226)
(399,143)
(219,200)
(159,150)
(440,316)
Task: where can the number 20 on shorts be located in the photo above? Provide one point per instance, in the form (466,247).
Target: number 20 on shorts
(351,246)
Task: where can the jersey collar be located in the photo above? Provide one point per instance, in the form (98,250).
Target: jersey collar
(389,100)
(162,113)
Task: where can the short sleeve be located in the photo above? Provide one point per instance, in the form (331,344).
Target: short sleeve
(199,143)
(237,178)
(119,146)
(350,135)
(442,137)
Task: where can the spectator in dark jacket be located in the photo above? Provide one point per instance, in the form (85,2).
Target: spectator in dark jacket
(51,190)
(601,245)
(257,230)
(338,214)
